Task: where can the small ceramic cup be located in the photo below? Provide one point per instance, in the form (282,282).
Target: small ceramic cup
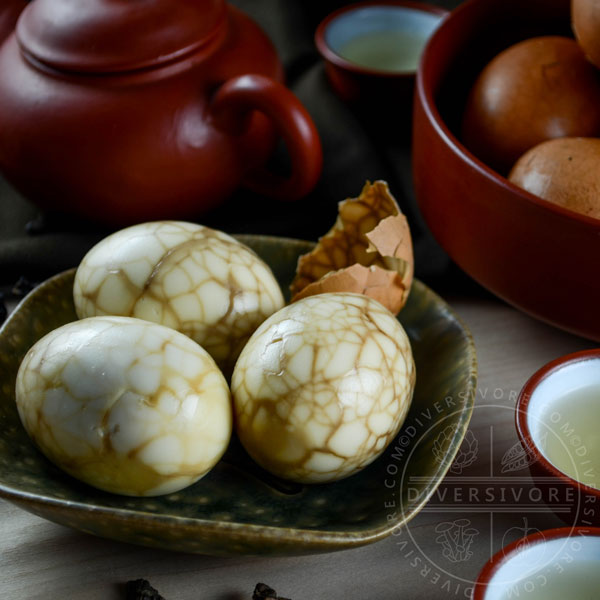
(372,49)
(555,563)
(556,418)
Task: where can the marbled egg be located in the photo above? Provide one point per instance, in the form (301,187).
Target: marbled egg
(191,278)
(127,406)
(322,387)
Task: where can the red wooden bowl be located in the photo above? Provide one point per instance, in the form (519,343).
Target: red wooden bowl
(539,562)
(541,258)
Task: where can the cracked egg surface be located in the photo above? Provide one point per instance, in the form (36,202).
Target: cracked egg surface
(191,278)
(127,406)
(322,387)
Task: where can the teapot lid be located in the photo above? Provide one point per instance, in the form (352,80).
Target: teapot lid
(111,36)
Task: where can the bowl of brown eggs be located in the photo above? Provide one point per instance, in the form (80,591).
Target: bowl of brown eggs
(506,153)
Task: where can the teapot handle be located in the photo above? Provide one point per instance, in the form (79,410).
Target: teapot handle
(230,109)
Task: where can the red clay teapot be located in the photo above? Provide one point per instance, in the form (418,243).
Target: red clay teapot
(129,110)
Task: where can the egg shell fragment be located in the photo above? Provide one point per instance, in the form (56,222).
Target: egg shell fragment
(367,251)
(191,278)
(322,387)
(125,405)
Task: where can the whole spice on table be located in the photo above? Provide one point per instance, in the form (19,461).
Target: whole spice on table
(140,589)
(263,592)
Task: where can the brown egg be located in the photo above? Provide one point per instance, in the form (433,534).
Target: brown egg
(585,17)
(564,171)
(539,89)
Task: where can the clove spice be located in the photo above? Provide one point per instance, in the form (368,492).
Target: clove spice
(263,592)
(140,589)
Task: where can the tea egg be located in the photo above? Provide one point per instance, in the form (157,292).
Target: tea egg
(125,405)
(191,278)
(322,387)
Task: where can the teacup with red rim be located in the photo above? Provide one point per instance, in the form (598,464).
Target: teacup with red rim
(548,565)
(558,424)
(372,49)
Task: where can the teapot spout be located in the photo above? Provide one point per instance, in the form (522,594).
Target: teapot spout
(9,14)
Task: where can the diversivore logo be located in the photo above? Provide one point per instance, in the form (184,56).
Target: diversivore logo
(487,499)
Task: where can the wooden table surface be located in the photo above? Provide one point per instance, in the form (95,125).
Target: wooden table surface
(41,560)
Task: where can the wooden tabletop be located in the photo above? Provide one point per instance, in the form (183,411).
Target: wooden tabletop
(437,556)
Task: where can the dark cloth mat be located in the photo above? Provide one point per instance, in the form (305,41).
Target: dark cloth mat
(355,147)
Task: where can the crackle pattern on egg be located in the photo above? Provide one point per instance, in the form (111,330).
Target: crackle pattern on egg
(191,278)
(127,406)
(322,387)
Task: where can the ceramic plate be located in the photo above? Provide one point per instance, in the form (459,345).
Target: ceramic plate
(238,508)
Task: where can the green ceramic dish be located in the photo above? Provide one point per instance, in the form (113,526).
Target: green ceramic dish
(238,508)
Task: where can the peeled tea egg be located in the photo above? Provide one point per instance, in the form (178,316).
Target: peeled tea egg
(564,171)
(322,387)
(127,406)
(539,89)
(197,280)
